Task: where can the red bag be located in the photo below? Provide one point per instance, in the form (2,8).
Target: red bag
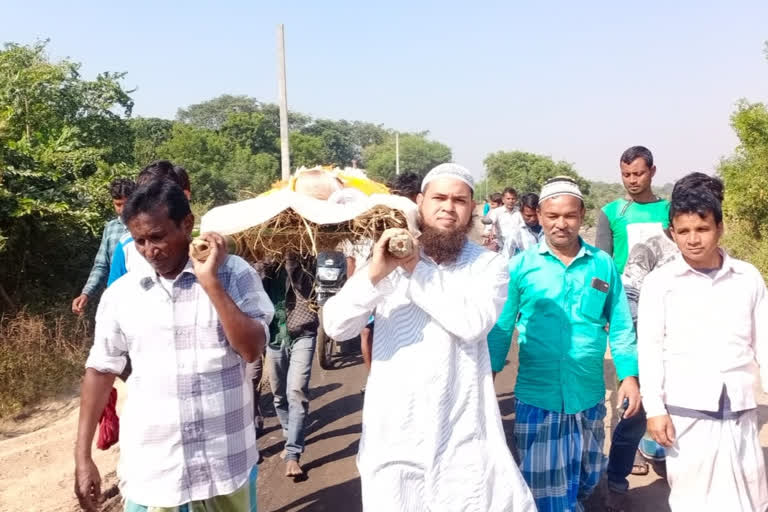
(109,424)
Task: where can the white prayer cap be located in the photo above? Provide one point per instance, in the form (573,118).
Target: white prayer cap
(560,186)
(449,170)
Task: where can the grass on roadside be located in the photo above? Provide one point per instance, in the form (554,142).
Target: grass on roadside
(40,356)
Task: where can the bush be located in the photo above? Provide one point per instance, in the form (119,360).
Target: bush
(40,356)
(743,242)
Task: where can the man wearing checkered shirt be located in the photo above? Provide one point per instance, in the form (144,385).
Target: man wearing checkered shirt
(189,327)
(120,189)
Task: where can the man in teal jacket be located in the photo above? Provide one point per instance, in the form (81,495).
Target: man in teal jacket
(562,294)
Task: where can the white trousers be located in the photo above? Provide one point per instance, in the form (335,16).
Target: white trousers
(717,465)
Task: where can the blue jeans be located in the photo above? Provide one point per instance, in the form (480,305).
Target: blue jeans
(621,458)
(289,372)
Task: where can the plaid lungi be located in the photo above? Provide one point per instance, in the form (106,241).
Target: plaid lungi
(242,500)
(561,454)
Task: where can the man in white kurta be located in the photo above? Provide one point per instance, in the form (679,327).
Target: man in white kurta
(507,222)
(703,331)
(432,434)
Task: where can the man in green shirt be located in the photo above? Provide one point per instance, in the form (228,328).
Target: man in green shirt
(562,293)
(622,225)
(628,221)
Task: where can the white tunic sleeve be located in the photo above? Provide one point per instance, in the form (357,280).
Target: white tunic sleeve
(466,304)
(346,313)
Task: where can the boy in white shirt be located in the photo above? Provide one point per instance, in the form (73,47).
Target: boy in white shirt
(702,332)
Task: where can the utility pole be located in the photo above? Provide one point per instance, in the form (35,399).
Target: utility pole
(397,153)
(285,151)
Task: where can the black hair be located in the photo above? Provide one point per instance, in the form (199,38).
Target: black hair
(696,180)
(164,169)
(121,188)
(407,184)
(635,152)
(697,193)
(530,200)
(156,194)
(496,197)
(509,190)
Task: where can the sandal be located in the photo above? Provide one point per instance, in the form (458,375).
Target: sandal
(640,467)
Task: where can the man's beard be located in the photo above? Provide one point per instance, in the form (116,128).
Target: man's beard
(443,246)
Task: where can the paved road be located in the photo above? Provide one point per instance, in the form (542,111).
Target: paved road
(332,481)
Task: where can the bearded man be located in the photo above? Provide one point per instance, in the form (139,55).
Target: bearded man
(432,434)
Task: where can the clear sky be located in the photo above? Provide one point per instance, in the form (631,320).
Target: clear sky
(579,81)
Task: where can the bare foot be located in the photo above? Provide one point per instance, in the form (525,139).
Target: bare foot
(292,469)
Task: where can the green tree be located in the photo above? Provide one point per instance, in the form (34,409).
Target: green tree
(338,139)
(62,139)
(744,173)
(204,154)
(249,175)
(213,113)
(746,186)
(417,154)
(149,134)
(253,130)
(367,134)
(527,172)
(308,150)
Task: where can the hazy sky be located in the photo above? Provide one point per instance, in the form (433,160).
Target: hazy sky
(579,81)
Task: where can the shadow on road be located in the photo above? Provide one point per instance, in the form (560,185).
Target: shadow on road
(319,391)
(333,411)
(357,428)
(318,420)
(343,497)
(651,497)
(349,451)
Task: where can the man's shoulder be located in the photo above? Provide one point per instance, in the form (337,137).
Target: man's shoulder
(477,254)
(125,239)
(611,208)
(236,265)
(601,258)
(237,272)
(124,287)
(663,275)
(527,258)
(747,269)
(596,252)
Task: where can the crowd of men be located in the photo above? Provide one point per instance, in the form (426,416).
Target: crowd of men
(687,327)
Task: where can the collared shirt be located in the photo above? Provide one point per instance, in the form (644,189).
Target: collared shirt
(113,231)
(525,238)
(506,224)
(126,258)
(561,313)
(698,333)
(430,415)
(187,430)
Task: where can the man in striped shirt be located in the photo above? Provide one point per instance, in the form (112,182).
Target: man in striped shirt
(432,434)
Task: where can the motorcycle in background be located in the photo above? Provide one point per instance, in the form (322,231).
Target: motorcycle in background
(330,276)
